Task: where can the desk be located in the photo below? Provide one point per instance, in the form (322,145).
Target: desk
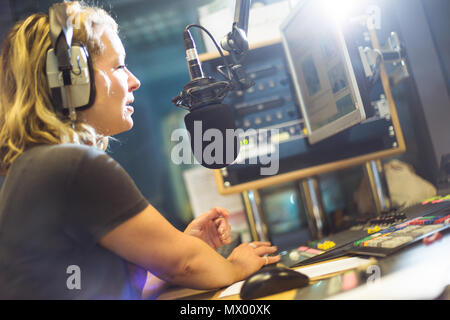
(435,256)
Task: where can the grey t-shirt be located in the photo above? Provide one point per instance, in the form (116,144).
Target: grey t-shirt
(56,202)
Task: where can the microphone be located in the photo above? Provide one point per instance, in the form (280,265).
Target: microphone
(194,66)
(211,124)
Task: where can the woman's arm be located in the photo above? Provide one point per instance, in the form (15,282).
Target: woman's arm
(151,242)
(212,227)
(153,287)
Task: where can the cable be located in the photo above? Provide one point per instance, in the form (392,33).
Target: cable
(217,46)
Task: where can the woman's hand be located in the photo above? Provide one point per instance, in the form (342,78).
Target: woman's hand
(250,257)
(211,227)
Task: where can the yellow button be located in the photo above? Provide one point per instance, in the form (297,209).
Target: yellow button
(326,245)
(373,230)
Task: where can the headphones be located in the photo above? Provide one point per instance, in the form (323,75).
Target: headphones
(69,70)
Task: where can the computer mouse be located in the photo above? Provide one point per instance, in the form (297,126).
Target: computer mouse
(270,280)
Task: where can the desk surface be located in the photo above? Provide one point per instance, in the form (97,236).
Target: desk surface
(431,257)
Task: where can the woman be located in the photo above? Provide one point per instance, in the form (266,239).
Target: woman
(72,222)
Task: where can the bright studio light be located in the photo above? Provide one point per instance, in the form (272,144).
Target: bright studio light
(340,10)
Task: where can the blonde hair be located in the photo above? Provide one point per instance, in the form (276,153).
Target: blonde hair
(27,116)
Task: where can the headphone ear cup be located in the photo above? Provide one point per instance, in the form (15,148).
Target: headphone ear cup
(80,94)
(54,84)
(87,78)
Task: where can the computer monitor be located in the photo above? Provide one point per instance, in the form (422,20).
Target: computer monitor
(323,76)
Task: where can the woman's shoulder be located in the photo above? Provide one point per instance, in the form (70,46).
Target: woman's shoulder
(66,154)
(57,161)
(69,149)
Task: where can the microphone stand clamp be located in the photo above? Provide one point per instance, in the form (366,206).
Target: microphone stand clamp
(202,91)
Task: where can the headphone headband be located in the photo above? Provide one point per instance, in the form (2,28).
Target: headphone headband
(60,24)
(69,68)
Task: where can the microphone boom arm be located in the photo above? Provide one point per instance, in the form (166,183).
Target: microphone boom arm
(241,13)
(235,42)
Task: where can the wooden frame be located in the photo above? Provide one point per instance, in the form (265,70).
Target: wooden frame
(328,167)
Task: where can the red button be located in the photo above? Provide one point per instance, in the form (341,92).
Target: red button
(434,237)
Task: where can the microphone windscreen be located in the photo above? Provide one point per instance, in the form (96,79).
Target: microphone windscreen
(212,131)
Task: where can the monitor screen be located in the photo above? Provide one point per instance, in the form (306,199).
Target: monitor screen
(323,76)
(285,216)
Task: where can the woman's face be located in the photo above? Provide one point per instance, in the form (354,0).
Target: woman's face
(114,83)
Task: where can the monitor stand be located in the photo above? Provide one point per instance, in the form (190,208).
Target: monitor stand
(255,218)
(379,192)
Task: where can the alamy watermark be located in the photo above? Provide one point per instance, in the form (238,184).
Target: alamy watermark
(73,281)
(256,147)
(374,274)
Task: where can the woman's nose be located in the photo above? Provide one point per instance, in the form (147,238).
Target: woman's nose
(134,82)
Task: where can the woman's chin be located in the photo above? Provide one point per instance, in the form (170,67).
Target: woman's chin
(126,126)
(127,118)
